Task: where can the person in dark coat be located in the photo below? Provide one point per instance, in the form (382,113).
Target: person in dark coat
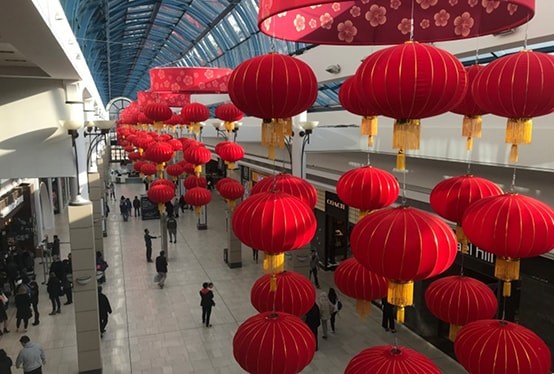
(161,268)
(313,320)
(169,208)
(388,315)
(148,242)
(182,203)
(136,206)
(68,281)
(104,309)
(23,305)
(3,314)
(6,363)
(34,291)
(171,225)
(206,302)
(54,289)
(56,246)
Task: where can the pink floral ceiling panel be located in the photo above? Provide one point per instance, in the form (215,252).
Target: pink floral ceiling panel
(189,80)
(171,99)
(370,22)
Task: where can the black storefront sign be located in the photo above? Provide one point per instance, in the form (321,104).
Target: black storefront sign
(149,210)
(335,207)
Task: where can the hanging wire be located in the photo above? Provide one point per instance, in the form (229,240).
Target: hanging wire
(503,316)
(404,199)
(513,184)
(526,34)
(412,21)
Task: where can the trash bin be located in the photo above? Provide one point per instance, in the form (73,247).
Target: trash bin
(226,255)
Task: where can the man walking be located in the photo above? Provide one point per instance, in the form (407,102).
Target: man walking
(31,357)
(148,242)
(136,206)
(206,302)
(314,263)
(171,225)
(104,309)
(161,268)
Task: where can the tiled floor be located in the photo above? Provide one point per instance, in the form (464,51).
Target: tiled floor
(159,331)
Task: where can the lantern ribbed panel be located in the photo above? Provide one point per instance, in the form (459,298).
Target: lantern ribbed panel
(403,243)
(193,181)
(174,170)
(175,144)
(148,168)
(411,81)
(388,359)
(367,188)
(231,152)
(231,190)
(228,112)
(273,86)
(510,225)
(195,112)
(222,181)
(468,106)
(501,347)
(290,184)
(159,152)
(451,197)
(143,119)
(160,193)
(158,112)
(273,343)
(274,222)
(198,196)
(198,155)
(165,182)
(295,294)
(354,280)
(459,300)
(351,101)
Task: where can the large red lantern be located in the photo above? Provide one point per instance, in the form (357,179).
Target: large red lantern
(231,191)
(273,87)
(164,182)
(198,156)
(193,181)
(229,114)
(351,101)
(354,280)
(367,188)
(403,244)
(197,197)
(193,114)
(158,113)
(451,197)
(273,342)
(295,294)
(409,82)
(297,187)
(159,152)
(390,359)
(174,170)
(230,153)
(472,122)
(501,347)
(511,226)
(459,300)
(161,194)
(518,87)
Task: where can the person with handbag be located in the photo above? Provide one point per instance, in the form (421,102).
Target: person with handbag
(207,302)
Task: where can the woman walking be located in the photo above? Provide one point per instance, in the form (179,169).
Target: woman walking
(23,306)
(325,312)
(54,289)
(335,306)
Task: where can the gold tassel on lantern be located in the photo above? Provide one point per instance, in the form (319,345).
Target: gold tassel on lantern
(405,136)
(369,128)
(363,307)
(158,126)
(274,132)
(197,210)
(160,168)
(453,332)
(231,204)
(273,263)
(400,294)
(518,131)
(231,165)
(471,128)
(506,269)
(195,128)
(229,126)
(462,239)
(362,214)
(161,208)
(197,170)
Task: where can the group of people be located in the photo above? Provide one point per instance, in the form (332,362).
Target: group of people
(325,309)
(31,358)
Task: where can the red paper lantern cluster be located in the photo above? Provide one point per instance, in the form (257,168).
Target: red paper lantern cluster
(388,359)
(290,184)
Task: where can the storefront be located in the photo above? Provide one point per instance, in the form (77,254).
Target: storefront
(17,226)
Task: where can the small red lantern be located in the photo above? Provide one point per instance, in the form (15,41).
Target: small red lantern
(501,347)
(290,184)
(161,194)
(148,169)
(159,152)
(351,101)
(164,182)
(231,191)
(222,181)
(273,342)
(193,181)
(282,86)
(354,280)
(158,113)
(175,144)
(197,197)
(511,226)
(137,165)
(197,156)
(129,148)
(295,294)
(229,114)
(403,244)
(367,188)
(459,300)
(174,170)
(193,114)
(519,87)
(134,156)
(230,153)
(391,359)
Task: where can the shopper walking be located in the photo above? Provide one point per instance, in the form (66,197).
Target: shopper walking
(23,306)
(104,310)
(148,243)
(6,363)
(336,306)
(206,302)
(136,206)
(325,311)
(34,292)
(388,315)
(161,268)
(313,320)
(3,314)
(31,356)
(314,263)
(171,225)
(54,289)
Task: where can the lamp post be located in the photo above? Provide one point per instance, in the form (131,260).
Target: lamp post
(306,130)
(221,132)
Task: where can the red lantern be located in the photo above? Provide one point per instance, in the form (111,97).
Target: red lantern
(472,123)
(229,114)
(519,87)
(164,182)
(197,156)
(128,148)
(290,184)
(351,101)
(174,170)
(451,197)
(231,191)
(408,82)
(148,168)
(511,226)
(187,167)
(389,359)
(403,244)
(230,153)
(134,156)
(274,87)
(354,280)
(193,114)
(295,294)
(159,152)
(137,165)
(193,181)
(175,144)
(197,197)
(273,342)
(160,194)
(158,112)
(459,300)
(501,347)
(222,181)
(367,188)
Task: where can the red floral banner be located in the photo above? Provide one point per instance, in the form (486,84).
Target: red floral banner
(171,99)
(189,80)
(389,21)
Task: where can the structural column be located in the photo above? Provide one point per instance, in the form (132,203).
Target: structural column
(85,293)
(96,191)
(234,245)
